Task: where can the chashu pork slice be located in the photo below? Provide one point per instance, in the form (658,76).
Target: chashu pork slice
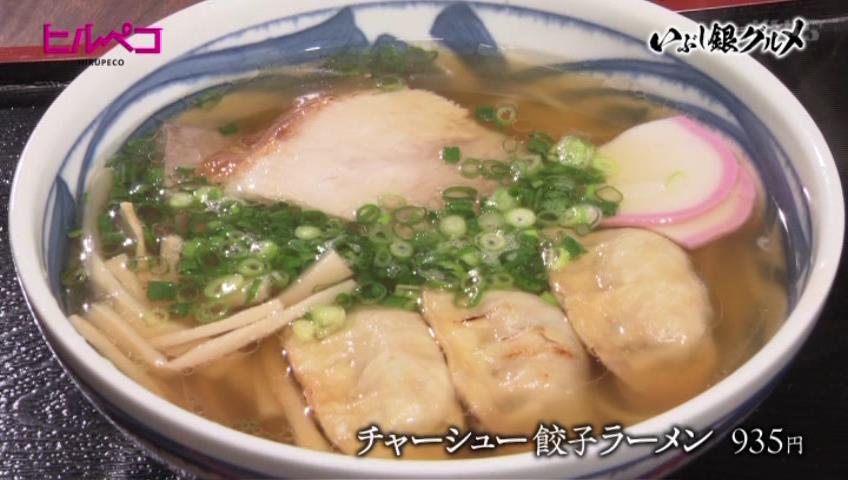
(383,368)
(188,146)
(336,154)
(514,359)
(638,305)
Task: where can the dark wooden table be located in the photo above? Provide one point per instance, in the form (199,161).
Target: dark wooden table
(48,430)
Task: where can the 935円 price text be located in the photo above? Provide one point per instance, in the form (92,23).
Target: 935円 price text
(756,441)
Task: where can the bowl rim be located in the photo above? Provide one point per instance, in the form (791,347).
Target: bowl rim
(740,72)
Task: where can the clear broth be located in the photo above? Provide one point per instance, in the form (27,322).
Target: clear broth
(748,294)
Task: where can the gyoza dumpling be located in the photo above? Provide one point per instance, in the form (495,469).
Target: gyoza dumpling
(638,305)
(514,360)
(382,368)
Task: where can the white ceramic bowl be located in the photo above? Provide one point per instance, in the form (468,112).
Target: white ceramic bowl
(219,40)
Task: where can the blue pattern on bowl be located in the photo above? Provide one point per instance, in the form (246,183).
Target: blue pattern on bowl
(459,27)
(62,219)
(462,31)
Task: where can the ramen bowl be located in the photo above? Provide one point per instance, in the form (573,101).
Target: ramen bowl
(216,42)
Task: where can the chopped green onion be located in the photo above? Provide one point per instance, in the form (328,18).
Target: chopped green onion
(470,256)
(252,267)
(520,217)
(328,318)
(540,143)
(588,215)
(314,217)
(391,201)
(254,291)
(180,309)
(207,194)
(492,241)
(574,152)
(371,292)
(401,249)
(368,214)
(383,257)
(529,164)
(380,234)
(382,59)
(304,330)
(486,114)
(74,277)
(228,129)
(280,280)
(557,258)
(439,279)
(506,116)
(510,144)
(453,226)
(210,312)
(265,249)
(239,252)
(390,83)
(530,232)
(409,215)
(209,99)
(490,221)
(408,291)
(157,316)
(604,164)
(426,239)
(180,200)
(344,300)
(451,155)
(223,286)
(192,247)
(403,303)
(307,232)
(459,193)
(582,229)
(547,218)
(464,207)
(501,200)
(470,168)
(609,193)
(500,281)
(327,314)
(574,248)
(159,291)
(404,232)
(495,170)
(550,298)
(470,297)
